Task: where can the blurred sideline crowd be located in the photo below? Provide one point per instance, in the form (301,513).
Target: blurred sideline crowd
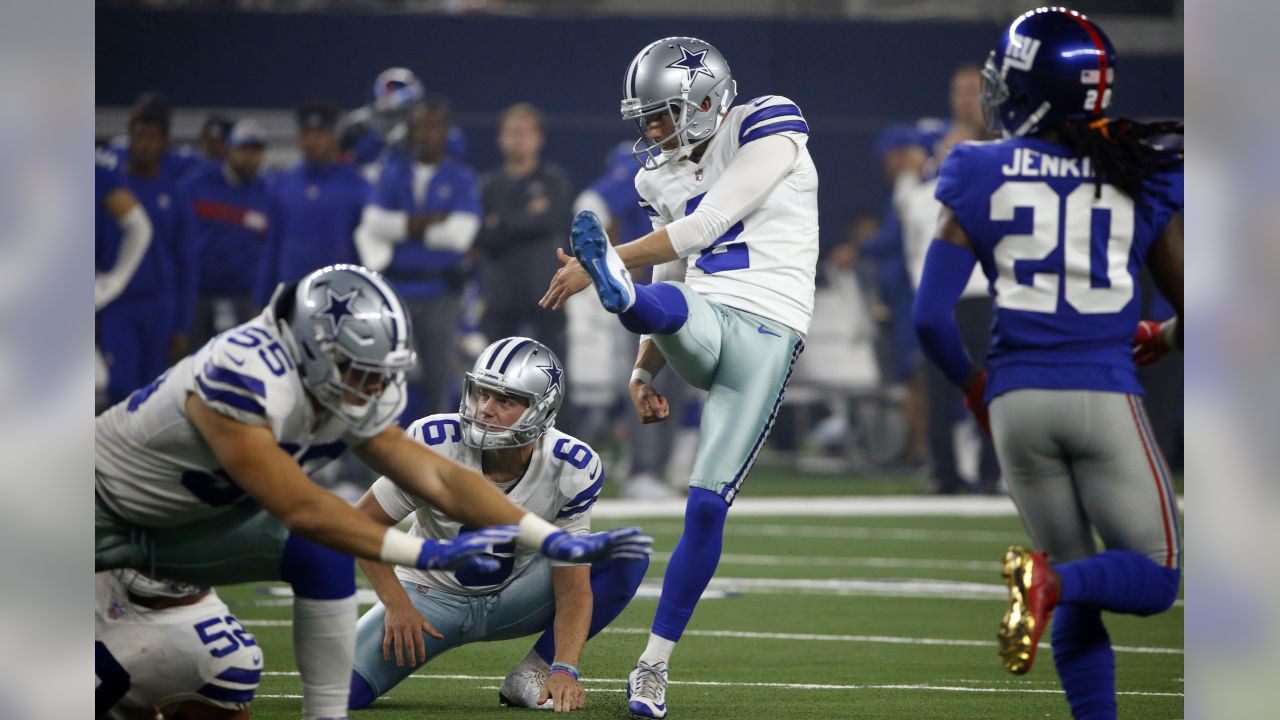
(192,240)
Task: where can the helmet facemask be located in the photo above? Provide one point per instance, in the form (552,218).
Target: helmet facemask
(364,394)
(513,367)
(995,93)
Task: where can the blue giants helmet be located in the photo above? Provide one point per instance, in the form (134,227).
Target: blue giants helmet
(1051,64)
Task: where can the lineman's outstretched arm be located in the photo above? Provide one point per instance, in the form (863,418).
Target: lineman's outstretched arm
(274,480)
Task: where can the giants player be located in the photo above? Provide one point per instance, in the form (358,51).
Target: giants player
(1062,215)
(732,195)
(504,429)
(201,476)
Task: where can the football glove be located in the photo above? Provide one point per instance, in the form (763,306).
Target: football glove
(975,401)
(467,551)
(1149,343)
(617,544)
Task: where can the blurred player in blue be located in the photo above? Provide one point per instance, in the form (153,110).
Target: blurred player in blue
(504,429)
(148,324)
(1062,215)
(315,205)
(228,217)
(417,227)
(372,130)
(731,192)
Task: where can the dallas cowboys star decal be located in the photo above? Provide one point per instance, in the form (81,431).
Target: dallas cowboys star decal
(692,63)
(337,308)
(553,373)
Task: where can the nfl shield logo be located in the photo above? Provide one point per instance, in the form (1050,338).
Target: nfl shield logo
(697,176)
(116,611)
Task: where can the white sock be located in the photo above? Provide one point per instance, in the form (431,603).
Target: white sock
(658,650)
(324,644)
(533,661)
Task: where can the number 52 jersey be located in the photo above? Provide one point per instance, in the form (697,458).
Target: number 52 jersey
(1061,255)
(561,484)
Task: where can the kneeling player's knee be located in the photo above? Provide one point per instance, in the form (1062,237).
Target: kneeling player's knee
(316,571)
(362,695)
(1166,593)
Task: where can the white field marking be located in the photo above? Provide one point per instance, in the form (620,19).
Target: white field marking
(886,639)
(780,686)
(749,635)
(826,561)
(838,506)
(855,533)
(722,588)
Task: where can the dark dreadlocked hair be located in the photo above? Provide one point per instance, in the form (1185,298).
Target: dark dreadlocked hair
(1125,152)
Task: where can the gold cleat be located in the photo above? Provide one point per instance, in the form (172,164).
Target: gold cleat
(1033,593)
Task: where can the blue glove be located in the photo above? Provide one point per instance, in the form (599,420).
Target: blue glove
(467,550)
(617,544)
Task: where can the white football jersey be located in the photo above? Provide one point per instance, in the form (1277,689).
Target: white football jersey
(149,657)
(153,467)
(765,263)
(562,483)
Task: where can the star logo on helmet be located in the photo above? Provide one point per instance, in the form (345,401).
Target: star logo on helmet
(553,374)
(338,308)
(692,63)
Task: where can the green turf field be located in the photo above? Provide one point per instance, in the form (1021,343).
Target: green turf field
(897,620)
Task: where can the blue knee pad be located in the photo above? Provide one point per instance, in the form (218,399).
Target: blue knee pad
(1120,581)
(362,695)
(316,571)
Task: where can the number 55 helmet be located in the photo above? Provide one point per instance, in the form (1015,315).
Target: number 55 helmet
(676,75)
(518,367)
(349,332)
(1051,64)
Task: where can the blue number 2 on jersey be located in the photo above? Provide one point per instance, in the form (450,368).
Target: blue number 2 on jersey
(723,254)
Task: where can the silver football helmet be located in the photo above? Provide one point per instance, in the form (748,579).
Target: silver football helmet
(519,367)
(350,334)
(676,75)
(149,587)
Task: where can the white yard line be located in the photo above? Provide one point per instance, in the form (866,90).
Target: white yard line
(832,506)
(774,685)
(809,637)
(828,561)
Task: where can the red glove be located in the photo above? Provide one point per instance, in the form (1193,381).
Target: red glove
(976,403)
(1149,343)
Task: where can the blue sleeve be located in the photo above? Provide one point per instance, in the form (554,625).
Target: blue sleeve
(947,269)
(269,270)
(953,185)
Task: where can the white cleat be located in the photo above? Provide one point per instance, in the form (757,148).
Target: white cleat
(647,691)
(595,254)
(522,687)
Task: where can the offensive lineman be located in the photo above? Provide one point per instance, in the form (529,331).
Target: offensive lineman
(504,429)
(201,476)
(732,195)
(1062,215)
(170,647)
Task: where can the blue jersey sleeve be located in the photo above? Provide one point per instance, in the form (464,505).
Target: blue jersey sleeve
(956,187)
(394,190)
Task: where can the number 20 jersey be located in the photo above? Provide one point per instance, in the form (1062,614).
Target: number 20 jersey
(1062,261)
(152,466)
(765,263)
(561,484)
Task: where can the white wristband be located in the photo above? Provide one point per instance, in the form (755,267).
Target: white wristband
(533,531)
(399,548)
(642,375)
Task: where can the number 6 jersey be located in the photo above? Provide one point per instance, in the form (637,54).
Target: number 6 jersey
(1062,257)
(560,486)
(766,262)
